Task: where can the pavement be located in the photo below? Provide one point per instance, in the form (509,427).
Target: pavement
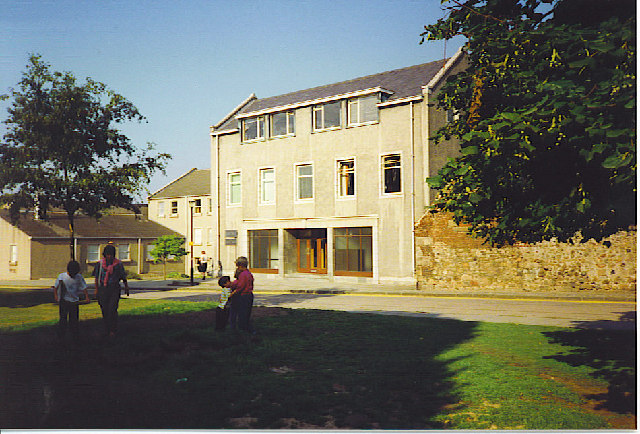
(606,310)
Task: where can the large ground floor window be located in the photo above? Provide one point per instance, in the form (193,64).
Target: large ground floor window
(353,251)
(263,248)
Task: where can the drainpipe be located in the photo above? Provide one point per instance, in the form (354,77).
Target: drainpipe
(413,193)
(218,195)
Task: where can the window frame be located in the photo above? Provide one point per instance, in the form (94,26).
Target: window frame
(272,236)
(197,206)
(197,236)
(290,124)
(339,178)
(160,209)
(13,254)
(260,125)
(383,177)
(174,209)
(120,252)
(297,179)
(321,108)
(231,184)
(352,237)
(89,259)
(261,186)
(357,101)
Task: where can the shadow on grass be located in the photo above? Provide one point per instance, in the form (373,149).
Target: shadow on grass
(612,355)
(305,369)
(25,298)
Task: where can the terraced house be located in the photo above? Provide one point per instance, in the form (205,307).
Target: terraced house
(330,181)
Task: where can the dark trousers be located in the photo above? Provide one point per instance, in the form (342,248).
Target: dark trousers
(109,298)
(244,304)
(69,318)
(222,318)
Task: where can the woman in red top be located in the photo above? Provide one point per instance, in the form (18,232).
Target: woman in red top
(242,296)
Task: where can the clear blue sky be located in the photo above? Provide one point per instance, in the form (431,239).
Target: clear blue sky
(186,64)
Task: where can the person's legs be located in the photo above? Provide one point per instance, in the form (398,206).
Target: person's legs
(112,307)
(62,322)
(244,315)
(74,320)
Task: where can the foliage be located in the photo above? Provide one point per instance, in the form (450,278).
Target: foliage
(168,247)
(62,149)
(547,119)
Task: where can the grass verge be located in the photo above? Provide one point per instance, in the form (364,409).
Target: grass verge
(306,369)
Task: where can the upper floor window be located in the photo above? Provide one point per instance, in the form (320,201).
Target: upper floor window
(326,115)
(160,209)
(282,124)
(267,186)
(235,188)
(346,178)
(391,180)
(362,110)
(253,128)
(13,254)
(304,185)
(210,205)
(174,208)
(197,206)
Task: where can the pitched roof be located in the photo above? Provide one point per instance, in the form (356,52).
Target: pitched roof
(196,182)
(404,82)
(117,224)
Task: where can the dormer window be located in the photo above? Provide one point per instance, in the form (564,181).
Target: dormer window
(362,110)
(253,128)
(282,124)
(326,115)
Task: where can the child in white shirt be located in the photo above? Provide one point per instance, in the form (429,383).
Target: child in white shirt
(67,292)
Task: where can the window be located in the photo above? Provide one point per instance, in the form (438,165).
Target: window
(326,115)
(304,185)
(150,248)
(353,251)
(282,124)
(174,208)
(346,178)
(210,205)
(391,173)
(253,129)
(197,236)
(197,206)
(209,236)
(267,186)
(13,254)
(235,188)
(93,253)
(123,252)
(160,209)
(362,110)
(263,248)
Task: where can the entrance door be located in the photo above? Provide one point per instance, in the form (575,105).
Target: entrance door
(312,255)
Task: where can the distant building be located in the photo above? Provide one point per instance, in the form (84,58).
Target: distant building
(330,181)
(36,248)
(185,206)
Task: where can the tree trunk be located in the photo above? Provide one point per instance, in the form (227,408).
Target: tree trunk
(164,268)
(72,237)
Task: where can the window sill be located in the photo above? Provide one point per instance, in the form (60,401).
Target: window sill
(256,140)
(354,273)
(284,136)
(391,195)
(363,124)
(322,130)
(265,270)
(13,263)
(346,198)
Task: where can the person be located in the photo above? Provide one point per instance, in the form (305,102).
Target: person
(108,273)
(222,311)
(203,261)
(242,296)
(66,291)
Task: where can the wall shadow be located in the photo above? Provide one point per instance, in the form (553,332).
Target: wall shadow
(25,297)
(611,352)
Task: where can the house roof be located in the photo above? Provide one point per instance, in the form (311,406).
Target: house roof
(117,223)
(196,182)
(402,83)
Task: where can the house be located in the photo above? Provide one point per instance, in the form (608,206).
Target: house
(330,181)
(185,206)
(35,249)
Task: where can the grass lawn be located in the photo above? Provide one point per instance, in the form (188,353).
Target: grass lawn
(306,369)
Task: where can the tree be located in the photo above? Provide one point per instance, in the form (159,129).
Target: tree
(547,118)
(166,247)
(63,150)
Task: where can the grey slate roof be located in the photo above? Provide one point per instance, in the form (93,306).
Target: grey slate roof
(402,82)
(118,224)
(196,182)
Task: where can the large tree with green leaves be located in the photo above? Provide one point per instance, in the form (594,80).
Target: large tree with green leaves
(62,148)
(547,119)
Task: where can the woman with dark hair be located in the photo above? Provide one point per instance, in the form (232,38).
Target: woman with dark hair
(108,274)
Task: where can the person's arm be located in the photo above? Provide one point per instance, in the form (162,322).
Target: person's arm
(83,287)
(239,284)
(124,280)
(55,290)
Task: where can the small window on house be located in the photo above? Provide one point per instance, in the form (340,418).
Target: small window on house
(210,205)
(197,206)
(160,209)
(123,252)
(267,186)
(282,124)
(197,236)
(93,252)
(174,208)
(13,254)
(362,110)
(235,188)
(346,178)
(209,236)
(391,176)
(304,184)
(150,248)
(326,115)
(253,128)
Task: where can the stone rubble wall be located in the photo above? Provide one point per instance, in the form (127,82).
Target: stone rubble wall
(448,259)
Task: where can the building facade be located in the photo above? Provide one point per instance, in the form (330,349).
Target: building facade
(330,181)
(185,206)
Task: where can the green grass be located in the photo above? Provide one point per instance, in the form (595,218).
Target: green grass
(307,369)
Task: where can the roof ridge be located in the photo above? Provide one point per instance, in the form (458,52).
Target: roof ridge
(174,181)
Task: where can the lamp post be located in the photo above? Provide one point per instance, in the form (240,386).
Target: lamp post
(191,204)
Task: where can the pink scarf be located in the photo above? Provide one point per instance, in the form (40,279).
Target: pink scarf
(108,269)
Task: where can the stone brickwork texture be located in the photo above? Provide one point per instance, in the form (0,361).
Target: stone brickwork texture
(447,258)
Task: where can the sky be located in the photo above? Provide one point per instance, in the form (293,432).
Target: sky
(186,64)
